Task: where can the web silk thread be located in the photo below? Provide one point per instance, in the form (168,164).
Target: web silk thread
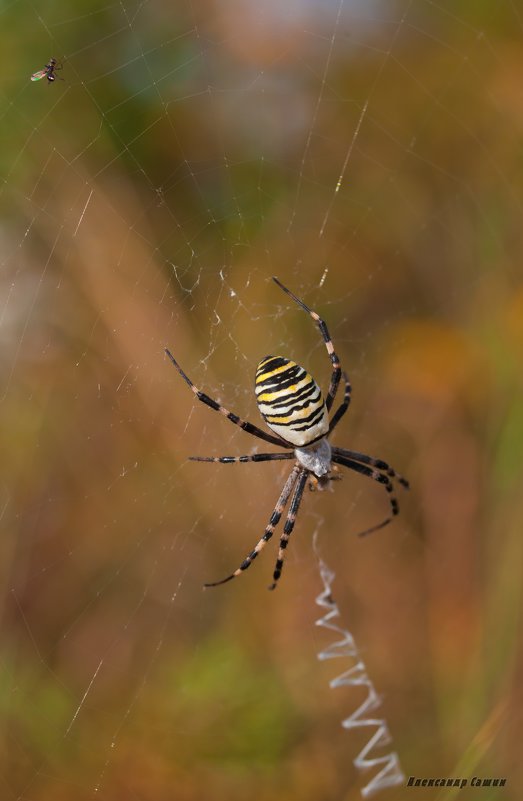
(390,773)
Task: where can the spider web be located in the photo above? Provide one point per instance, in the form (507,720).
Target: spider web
(365,154)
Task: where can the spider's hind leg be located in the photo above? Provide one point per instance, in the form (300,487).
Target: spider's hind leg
(324,331)
(250,428)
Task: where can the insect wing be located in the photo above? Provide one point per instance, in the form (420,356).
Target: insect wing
(37,76)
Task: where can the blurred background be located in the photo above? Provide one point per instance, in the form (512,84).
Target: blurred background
(369,155)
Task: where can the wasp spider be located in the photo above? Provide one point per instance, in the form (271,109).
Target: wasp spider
(292,405)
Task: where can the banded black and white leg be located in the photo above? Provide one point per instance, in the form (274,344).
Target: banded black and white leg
(379,464)
(336,369)
(249,427)
(269,531)
(340,411)
(254,457)
(289,525)
(345,458)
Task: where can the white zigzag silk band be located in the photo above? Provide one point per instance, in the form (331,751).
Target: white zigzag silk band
(389,773)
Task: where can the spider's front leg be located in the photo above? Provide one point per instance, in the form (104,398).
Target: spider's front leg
(269,531)
(288,527)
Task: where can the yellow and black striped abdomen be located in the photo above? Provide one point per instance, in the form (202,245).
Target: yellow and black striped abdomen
(290,401)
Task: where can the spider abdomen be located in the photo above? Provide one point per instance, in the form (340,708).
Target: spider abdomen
(290,401)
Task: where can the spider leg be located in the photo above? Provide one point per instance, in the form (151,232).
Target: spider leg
(336,370)
(378,463)
(382,478)
(255,457)
(340,411)
(273,522)
(249,427)
(288,527)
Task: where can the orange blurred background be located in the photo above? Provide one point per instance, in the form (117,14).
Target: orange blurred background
(188,155)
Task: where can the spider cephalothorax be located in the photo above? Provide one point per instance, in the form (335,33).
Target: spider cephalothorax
(292,405)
